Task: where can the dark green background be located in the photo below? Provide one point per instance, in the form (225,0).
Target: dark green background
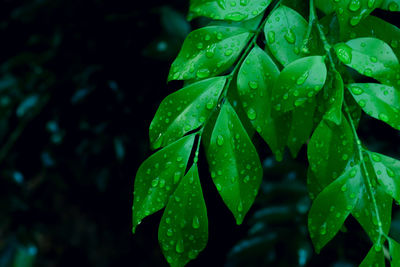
(79,84)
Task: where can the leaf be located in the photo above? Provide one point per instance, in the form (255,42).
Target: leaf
(391,5)
(185,110)
(380,29)
(394,249)
(183,230)
(354,109)
(299,81)
(330,143)
(158,177)
(301,126)
(365,211)
(234,163)
(370,57)
(325,6)
(208,51)
(379,101)
(233,10)
(335,100)
(255,81)
(374,257)
(284,31)
(387,170)
(332,206)
(351,12)
(251,24)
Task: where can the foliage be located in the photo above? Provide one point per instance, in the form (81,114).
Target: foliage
(302,86)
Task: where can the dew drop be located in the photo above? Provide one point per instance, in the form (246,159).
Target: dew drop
(203,73)
(344,53)
(302,78)
(251,114)
(220,140)
(196,222)
(290,37)
(179,246)
(357,90)
(253,84)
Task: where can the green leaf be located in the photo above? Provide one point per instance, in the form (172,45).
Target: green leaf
(351,12)
(234,163)
(380,29)
(299,81)
(183,230)
(284,31)
(233,10)
(208,51)
(185,110)
(255,81)
(301,126)
(330,143)
(325,6)
(374,257)
(379,101)
(158,177)
(365,211)
(391,5)
(332,206)
(394,249)
(370,57)
(387,170)
(335,100)
(251,24)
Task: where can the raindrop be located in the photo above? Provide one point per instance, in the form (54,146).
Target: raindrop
(203,73)
(252,114)
(179,246)
(220,140)
(290,37)
(302,78)
(196,222)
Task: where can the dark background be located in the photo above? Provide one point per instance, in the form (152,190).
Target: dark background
(79,84)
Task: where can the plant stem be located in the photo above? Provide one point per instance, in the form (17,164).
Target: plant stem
(360,150)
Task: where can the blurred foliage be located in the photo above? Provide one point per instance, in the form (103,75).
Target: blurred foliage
(79,84)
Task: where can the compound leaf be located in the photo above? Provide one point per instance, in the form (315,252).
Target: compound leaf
(285,30)
(379,101)
(299,81)
(332,206)
(185,110)
(158,177)
(330,143)
(232,10)
(391,5)
(234,163)
(375,257)
(371,57)
(208,51)
(254,83)
(183,230)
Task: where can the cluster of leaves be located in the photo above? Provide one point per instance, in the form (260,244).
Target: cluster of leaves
(261,67)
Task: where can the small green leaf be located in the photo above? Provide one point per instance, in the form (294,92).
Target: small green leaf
(183,230)
(375,257)
(391,5)
(158,177)
(351,12)
(299,81)
(370,57)
(394,249)
(234,163)
(332,206)
(379,101)
(380,29)
(387,170)
(185,110)
(301,126)
(233,10)
(208,52)
(335,100)
(284,31)
(255,81)
(330,143)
